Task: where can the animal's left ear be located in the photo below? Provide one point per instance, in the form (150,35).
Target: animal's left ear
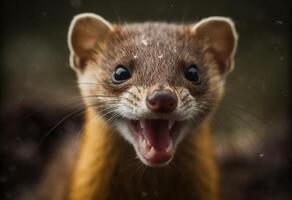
(218,36)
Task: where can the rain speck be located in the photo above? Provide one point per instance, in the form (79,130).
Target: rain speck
(76,3)
(261,155)
(144,42)
(135,56)
(144,194)
(3,179)
(160,56)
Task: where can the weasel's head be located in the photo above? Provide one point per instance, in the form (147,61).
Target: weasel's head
(154,82)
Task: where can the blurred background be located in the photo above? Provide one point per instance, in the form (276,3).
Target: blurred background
(251,127)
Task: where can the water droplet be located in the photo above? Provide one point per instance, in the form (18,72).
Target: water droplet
(144,194)
(12,168)
(76,3)
(3,179)
(8,195)
(160,56)
(261,155)
(276,48)
(144,42)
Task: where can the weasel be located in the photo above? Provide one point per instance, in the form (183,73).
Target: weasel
(150,90)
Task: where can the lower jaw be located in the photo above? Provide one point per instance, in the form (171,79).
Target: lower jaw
(156,163)
(156,158)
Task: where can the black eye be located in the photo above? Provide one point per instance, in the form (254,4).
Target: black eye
(120,74)
(191,73)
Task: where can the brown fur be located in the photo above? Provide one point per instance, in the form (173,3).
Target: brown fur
(111,171)
(106,167)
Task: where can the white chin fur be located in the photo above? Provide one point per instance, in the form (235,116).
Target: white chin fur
(141,111)
(124,130)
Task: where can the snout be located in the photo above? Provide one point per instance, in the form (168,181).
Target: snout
(155,130)
(161,101)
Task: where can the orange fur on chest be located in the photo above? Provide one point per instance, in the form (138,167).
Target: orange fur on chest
(104,168)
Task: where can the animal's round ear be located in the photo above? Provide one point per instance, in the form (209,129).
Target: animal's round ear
(86,33)
(218,36)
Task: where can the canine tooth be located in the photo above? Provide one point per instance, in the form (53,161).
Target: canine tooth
(170,124)
(142,123)
(151,152)
(144,143)
(169,148)
(147,142)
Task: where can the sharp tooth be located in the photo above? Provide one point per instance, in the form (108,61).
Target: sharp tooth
(144,143)
(169,149)
(147,142)
(151,152)
(170,124)
(142,123)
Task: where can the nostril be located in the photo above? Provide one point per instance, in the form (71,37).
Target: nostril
(153,103)
(161,101)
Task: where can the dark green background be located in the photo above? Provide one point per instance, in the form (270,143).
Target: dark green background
(36,73)
(35,54)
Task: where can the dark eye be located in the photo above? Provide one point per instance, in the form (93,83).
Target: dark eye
(120,74)
(191,73)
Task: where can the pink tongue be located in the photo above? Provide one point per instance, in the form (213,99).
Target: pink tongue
(157,133)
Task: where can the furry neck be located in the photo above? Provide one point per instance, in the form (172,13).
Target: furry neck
(107,168)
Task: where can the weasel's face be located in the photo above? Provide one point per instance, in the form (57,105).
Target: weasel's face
(154,82)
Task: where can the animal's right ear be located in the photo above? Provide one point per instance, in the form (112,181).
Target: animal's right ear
(86,33)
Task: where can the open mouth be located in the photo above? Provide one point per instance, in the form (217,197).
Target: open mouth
(155,139)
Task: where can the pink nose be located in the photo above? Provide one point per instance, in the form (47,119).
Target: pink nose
(163,101)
